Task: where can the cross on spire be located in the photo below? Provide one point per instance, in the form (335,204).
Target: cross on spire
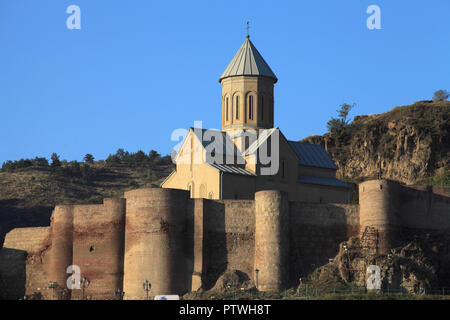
(248,29)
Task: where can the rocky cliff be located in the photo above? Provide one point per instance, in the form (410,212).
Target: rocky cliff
(412,143)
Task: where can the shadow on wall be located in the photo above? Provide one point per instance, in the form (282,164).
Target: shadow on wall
(316,232)
(215,243)
(13,216)
(12,274)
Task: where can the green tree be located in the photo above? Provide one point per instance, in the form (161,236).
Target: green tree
(55,160)
(441,95)
(89,158)
(154,157)
(339,123)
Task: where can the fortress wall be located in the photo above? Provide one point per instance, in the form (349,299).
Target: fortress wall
(229,237)
(23,262)
(272,239)
(424,209)
(316,231)
(98,247)
(61,253)
(438,190)
(226,225)
(321,194)
(155,239)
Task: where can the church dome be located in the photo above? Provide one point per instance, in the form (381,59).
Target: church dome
(248,62)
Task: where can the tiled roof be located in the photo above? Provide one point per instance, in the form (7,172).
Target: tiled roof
(248,62)
(323,181)
(312,155)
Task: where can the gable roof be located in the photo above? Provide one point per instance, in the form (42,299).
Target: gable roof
(233,169)
(248,62)
(312,155)
(225,147)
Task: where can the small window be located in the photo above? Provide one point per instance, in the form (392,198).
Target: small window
(237,107)
(226,109)
(91,249)
(250,107)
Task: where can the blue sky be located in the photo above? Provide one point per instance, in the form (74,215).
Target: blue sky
(139,69)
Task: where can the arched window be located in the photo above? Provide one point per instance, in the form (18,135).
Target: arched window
(226,108)
(250,107)
(237,107)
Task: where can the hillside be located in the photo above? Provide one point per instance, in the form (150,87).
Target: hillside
(28,195)
(412,142)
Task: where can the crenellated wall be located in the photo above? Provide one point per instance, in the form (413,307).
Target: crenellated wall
(180,244)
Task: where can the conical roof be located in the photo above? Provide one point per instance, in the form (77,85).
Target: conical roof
(248,62)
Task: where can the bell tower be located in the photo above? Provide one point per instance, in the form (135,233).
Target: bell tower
(247,91)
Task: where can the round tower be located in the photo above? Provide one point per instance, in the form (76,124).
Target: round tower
(154,241)
(113,243)
(378,208)
(61,254)
(271,239)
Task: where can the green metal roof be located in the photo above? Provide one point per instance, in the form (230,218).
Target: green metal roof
(248,62)
(312,155)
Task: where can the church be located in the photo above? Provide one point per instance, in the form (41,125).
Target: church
(250,154)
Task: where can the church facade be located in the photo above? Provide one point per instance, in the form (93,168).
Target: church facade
(250,154)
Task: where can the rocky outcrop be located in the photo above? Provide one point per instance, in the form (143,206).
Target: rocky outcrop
(418,266)
(411,142)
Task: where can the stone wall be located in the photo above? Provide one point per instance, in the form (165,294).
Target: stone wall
(24,263)
(428,208)
(181,244)
(229,237)
(316,231)
(98,245)
(396,211)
